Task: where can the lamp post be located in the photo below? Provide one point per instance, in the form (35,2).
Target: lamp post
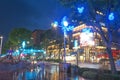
(64,46)
(76,49)
(1,37)
(65,28)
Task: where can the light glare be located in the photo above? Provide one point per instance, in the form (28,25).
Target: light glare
(55,24)
(65,23)
(23,44)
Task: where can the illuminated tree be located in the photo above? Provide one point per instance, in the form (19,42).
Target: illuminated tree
(99,14)
(18,35)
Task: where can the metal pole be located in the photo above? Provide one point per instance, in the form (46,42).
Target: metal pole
(64,47)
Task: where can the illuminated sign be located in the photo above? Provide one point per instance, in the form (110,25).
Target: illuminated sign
(87,37)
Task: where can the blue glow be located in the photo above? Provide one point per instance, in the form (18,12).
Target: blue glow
(75,43)
(17,51)
(44,52)
(87,30)
(65,33)
(38,50)
(64,21)
(23,44)
(28,51)
(55,24)
(69,28)
(80,10)
(111,16)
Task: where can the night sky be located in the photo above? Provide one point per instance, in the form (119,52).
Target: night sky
(31,14)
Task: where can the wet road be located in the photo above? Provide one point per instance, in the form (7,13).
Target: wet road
(45,71)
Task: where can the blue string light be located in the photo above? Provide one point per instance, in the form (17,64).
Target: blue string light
(69,28)
(64,21)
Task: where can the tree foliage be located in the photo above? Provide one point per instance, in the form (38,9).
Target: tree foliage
(16,36)
(96,13)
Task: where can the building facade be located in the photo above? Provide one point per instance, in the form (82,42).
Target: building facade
(37,36)
(90,44)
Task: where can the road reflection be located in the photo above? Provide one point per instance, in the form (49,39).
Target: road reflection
(43,72)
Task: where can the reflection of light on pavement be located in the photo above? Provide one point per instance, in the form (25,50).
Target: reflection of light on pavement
(87,65)
(69,58)
(55,76)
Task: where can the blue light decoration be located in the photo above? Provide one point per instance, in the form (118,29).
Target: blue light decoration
(80,9)
(55,24)
(75,43)
(65,33)
(86,30)
(16,53)
(65,26)
(64,21)
(23,44)
(111,16)
(28,51)
(69,28)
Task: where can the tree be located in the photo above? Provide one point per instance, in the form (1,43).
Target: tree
(17,36)
(99,14)
(47,36)
(6,46)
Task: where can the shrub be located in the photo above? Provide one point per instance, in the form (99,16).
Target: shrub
(108,77)
(81,70)
(90,74)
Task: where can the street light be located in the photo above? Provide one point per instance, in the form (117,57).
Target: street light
(1,37)
(65,28)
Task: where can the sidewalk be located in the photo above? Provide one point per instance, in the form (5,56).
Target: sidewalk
(92,65)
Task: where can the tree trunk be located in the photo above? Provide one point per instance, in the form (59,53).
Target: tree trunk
(112,63)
